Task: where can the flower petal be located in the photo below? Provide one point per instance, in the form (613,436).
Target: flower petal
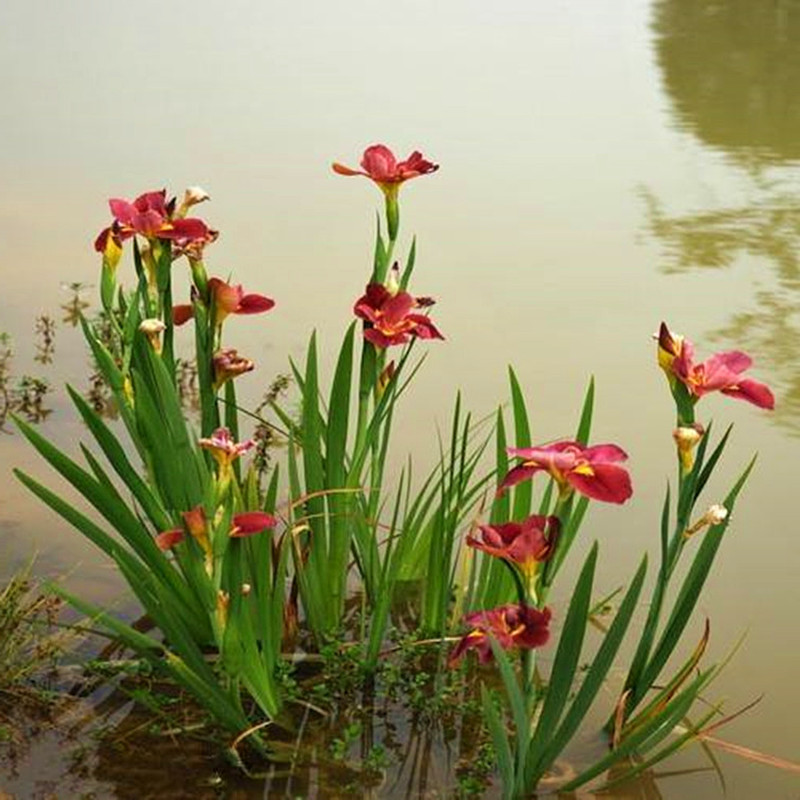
(254,304)
(341,169)
(122,211)
(189,228)
(734,360)
(182,313)
(250,522)
(758,394)
(515,476)
(166,540)
(607,482)
(604,453)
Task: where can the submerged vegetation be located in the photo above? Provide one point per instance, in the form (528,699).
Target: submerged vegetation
(32,643)
(253,569)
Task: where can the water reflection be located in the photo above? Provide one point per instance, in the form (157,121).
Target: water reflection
(732,72)
(76,305)
(26,394)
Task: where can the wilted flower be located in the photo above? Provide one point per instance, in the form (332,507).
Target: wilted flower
(511,625)
(391,317)
(228,364)
(380,165)
(152,329)
(592,471)
(191,197)
(715,515)
(722,372)
(223,603)
(687,438)
(525,544)
(150,216)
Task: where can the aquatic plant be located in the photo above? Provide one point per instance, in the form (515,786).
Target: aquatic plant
(228,557)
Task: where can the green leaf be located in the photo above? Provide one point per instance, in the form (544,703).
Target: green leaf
(708,468)
(568,653)
(502,748)
(409,269)
(523,493)
(594,678)
(117,457)
(585,425)
(690,591)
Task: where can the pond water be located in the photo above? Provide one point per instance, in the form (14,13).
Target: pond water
(604,166)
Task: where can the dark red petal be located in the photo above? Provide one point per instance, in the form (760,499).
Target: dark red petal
(254,304)
(379,163)
(102,240)
(759,394)
(148,223)
(665,340)
(397,308)
(604,453)
(424,329)
(541,452)
(374,336)
(166,540)
(250,522)
(182,313)
(189,228)
(515,476)
(498,552)
(505,532)
(152,201)
(609,483)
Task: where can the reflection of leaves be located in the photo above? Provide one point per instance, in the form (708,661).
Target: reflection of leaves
(732,71)
(716,238)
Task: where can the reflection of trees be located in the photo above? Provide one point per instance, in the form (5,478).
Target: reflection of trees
(732,71)
(770,329)
(715,238)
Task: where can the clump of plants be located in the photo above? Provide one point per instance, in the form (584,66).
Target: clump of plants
(31,644)
(238,560)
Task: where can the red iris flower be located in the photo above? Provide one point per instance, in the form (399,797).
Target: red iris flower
(722,372)
(250,522)
(511,625)
(592,471)
(380,165)
(392,318)
(227,299)
(526,544)
(245,524)
(150,216)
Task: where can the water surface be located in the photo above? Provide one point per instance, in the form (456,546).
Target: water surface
(604,166)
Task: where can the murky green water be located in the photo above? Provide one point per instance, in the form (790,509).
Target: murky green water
(604,166)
